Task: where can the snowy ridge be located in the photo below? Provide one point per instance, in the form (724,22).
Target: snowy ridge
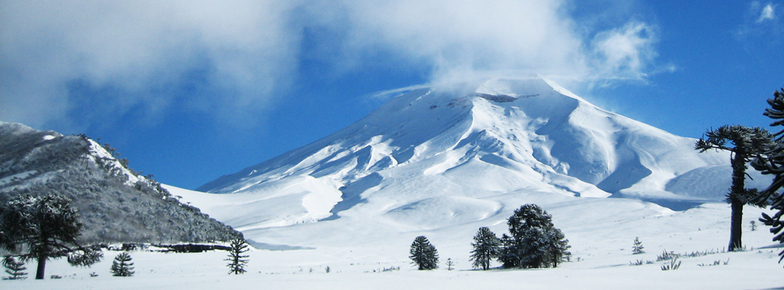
(99,155)
(115,203)
(457,151)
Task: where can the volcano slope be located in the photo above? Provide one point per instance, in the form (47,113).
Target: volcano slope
(443,161)
(445,156)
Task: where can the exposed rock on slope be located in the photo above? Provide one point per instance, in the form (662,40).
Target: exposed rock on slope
(115,204)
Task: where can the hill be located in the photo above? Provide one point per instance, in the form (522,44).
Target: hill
(115,203)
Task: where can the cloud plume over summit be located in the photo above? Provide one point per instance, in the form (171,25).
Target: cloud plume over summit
(233,60)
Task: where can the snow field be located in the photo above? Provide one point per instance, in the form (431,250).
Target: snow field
(442,163)
(601,254)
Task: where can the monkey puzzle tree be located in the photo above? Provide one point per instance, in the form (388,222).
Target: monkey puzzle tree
(486,246)
(534,242)
(14,268)
(772,162)
(423,254)
(122,265)
(47,226)
(743,143)
(236,258)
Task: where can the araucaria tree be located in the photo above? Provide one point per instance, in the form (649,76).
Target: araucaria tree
(637,247)
(743,143)
(237,260)
(423,254)
(122,265)
(534,240)
(486,247)
(47,227)
(772,162)
(14,268)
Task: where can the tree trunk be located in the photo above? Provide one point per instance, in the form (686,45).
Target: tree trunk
(736,191)
(39,273)
(736,226)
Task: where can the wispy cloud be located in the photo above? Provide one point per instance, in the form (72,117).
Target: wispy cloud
(767,13)
(760,24)
(625,52)
(231,60)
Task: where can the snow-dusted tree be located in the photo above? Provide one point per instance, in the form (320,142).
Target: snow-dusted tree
(558,249)
(47,227)
(449,264)
(14,268)
(236,259)
(423,254)
(743,143)
(534,240)
(772,162)
(637,247)
(486,247)
(122,265)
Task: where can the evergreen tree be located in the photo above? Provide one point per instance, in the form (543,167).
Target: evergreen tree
(449,264)
(509,256)
(772,162)
(558,248)
(637,248)
(743,143)
(423,254)
(14,268)
(534,241)
(47,226)
(122,265)
(236,259)
(486,248)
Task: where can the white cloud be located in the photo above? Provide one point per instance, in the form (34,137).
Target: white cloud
(760,23)
(625,52)
(455,36)
(142,51)
(233,59)
(767,13)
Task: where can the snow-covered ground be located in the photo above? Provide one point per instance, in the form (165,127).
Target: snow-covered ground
(445,162)
(601,232)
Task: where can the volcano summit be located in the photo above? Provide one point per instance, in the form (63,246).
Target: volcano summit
(457,152)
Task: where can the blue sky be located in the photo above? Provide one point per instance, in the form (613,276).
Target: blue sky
(191,90)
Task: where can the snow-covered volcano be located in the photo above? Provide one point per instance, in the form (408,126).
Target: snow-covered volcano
(454,152)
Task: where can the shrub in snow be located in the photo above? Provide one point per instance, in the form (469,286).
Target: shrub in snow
(744,143)
(666,256)
(449,264)
(47,227)
(14,268)
(423,254)
(122,265)
(237,260)
(637,247)
(534,241)
(486,247)
(674,264)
